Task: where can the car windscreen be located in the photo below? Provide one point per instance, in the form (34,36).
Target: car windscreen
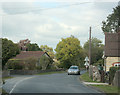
(73,67)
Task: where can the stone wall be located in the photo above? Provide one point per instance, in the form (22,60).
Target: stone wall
(5,73)
(30,72)
(96,74)
(116,80)
(110,60)
(23,72)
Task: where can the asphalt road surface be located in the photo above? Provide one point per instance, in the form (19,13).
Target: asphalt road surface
(52,83)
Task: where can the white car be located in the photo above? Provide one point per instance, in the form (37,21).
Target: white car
(74,70)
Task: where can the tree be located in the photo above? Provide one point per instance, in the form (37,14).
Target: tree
(47,49)
(33,47)
(69,52)
(9,49)
(112,24)
(45,62)
(97,49)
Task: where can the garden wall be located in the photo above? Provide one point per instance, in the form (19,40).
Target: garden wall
(95,74)
(31,72)
(5,73)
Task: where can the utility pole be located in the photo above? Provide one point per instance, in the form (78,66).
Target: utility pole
(90,47)
(90,69)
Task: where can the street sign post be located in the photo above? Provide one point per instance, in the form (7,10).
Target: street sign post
(86,63)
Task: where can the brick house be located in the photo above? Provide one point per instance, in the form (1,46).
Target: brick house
(30,54)
(112,50)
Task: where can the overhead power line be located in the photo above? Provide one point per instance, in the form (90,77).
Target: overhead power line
(39,9)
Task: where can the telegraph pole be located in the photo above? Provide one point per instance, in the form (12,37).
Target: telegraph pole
(90,71)
(90,47)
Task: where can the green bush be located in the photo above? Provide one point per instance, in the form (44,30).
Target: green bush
(38,67)
(99,62)
(30,63)
(45,62)
(112,72)
(14,64)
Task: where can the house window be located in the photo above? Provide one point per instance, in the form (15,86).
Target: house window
(116,65)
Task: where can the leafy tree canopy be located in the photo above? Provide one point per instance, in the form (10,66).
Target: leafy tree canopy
(47,49)
(112,24)
(45,62)
(9,49)
(69,52)
(97,49)
(33,47)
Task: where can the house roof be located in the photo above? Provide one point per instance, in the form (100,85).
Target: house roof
(29,54)
(112,44)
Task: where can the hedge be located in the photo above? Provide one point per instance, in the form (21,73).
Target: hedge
(112,72)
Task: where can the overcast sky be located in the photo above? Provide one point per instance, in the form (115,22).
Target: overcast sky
(45,23)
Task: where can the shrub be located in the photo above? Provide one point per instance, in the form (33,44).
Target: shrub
(38,67)
(45,62)
(30,63)
(99,62)
(15,64)
(112,72)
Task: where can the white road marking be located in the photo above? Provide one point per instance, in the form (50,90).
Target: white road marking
(95,83)
(18,83)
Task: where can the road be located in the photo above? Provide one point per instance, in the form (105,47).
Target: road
(52,83)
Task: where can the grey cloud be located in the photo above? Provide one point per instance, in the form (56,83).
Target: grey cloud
(13,8)
(55,24)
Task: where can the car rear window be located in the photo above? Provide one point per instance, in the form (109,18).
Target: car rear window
(73,67)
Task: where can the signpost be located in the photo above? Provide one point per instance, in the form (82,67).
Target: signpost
(86,63)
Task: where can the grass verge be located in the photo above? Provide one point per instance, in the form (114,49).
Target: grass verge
(3,91)
(108,89)
(85,78)
(46,73)
(4,78)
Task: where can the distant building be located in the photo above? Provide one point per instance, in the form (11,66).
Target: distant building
(30,54)
(22,44)
(112,49)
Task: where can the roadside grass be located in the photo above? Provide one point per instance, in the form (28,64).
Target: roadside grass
(108,89)
(4,78)
(85,78)
(46,73)
(3,91)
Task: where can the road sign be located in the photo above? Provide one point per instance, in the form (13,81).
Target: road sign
(87,59)
(86,63)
